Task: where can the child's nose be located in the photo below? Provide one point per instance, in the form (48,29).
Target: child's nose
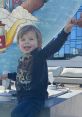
(27,41)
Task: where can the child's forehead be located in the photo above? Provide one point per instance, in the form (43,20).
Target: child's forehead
(29,33)
(45,0)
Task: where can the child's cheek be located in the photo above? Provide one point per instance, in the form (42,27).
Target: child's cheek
(21,45)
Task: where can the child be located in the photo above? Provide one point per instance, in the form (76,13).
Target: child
(32,74)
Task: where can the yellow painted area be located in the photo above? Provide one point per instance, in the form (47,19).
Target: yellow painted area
(11,33)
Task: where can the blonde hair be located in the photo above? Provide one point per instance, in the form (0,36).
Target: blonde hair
(28,28)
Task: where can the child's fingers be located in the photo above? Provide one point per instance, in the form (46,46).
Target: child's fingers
(73,21)
(80,15)
(2,77)
(79,22)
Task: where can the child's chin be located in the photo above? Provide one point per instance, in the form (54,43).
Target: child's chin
(26,52)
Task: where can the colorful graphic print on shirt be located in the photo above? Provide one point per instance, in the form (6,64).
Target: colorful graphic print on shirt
(24,73)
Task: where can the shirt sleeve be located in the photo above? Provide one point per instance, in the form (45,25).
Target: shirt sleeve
(12,76)
(54,45)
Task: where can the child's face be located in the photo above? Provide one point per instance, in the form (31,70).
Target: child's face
(28,42)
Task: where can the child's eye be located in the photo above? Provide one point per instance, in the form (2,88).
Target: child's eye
(22,39)
(31,39)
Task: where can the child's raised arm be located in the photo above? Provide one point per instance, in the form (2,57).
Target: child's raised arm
(56,43)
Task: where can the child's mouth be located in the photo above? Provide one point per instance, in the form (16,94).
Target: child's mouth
(27,47)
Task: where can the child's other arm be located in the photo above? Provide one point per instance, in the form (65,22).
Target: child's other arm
(4,77)
(11,76)
(56,43)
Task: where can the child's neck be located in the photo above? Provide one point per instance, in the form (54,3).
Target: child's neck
(26,54)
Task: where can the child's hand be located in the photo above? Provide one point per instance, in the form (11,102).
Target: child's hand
(4,77)
(79,21)
(69,25)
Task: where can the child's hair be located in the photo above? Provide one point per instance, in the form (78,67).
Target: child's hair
(45,1)
(28,28)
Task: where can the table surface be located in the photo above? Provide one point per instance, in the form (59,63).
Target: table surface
(56,96)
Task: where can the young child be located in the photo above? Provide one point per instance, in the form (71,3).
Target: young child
(32,74)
